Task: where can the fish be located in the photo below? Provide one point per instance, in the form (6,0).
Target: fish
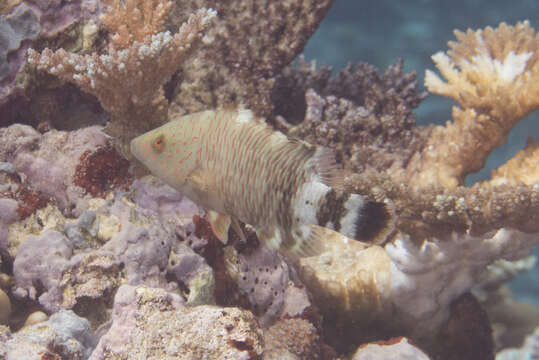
(239,169)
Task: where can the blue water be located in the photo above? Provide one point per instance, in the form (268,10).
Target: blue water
(380,31)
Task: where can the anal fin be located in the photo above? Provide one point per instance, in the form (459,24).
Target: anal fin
(220,224)
(312,243)
(305,241)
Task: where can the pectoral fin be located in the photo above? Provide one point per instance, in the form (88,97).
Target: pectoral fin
(204,184)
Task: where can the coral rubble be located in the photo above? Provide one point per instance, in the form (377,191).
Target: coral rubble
(64,335)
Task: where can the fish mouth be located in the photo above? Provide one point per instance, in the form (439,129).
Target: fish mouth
(135,149)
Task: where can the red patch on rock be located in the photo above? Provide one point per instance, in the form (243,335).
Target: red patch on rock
(101,171)
(29,200)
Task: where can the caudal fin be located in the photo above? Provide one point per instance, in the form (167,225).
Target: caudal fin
(354,216)
(366,220)
(350,214)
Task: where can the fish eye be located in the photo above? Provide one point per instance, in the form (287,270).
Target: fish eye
(158,143)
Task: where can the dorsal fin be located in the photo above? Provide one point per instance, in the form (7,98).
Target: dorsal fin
(245,115)
(330,172)
(230,106)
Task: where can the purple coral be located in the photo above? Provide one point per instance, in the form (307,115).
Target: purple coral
(49,161)
(264,278)
(141,248)
(22,24)
(154,197)
(8,214)
(39,264)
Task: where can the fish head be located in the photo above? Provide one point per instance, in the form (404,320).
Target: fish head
(149,147)
(166,152)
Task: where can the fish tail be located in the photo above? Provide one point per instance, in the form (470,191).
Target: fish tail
(352,215)
(365,220)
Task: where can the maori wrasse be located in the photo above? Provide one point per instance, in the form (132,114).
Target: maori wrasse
(239,169)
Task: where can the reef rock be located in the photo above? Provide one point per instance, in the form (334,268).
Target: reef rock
(149,323)
(264,278)
(63,336)
(395,349)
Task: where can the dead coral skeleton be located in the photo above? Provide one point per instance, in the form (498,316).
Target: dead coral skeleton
(492,74)
(128,79)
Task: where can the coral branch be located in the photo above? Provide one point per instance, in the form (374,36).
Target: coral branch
(491,71)
(128,82)
(523,168)
(493,75)
(128,23)
(437,212)
(254,41)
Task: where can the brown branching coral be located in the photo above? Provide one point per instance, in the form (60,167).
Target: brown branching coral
(128,78)
(364,117)
(134,20)
(493,75)
(369,124)
(437,212)
(253,42)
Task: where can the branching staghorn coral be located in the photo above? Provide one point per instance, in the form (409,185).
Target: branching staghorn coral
(128,79)
(134,20)
(492,74)
(401,167)
(522,168)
